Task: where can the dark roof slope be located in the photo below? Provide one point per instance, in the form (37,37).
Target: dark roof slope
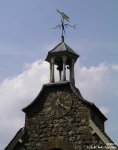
(74,89)
(16,140)
(62,48)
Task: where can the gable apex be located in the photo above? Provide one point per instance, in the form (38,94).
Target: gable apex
(91,105)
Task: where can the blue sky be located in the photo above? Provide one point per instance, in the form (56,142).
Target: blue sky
(25,39)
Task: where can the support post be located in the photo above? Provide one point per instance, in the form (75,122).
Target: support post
(60,75)
(50,72)
(72,78)
(52,79)
(60,68)
(64,58)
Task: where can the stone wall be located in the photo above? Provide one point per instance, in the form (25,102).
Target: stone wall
(71,132)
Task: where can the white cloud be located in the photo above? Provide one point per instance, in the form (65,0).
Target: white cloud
(24,85)
(104,110)
(16,93)
(115,68)
(19,91)
(92,81)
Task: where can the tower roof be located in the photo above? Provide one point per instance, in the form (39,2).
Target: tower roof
(62,48)
(73,88)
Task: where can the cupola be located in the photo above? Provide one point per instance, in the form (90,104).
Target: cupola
(64,57)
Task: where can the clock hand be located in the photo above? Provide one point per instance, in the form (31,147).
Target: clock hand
(60,94)
(63,106)
(57,102)
(59,97)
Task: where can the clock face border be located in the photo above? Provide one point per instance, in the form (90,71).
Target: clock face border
(58,104)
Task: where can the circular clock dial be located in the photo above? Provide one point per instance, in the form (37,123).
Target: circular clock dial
(57,104)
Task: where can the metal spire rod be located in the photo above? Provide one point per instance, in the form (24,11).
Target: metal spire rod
(62,26)
(63,30)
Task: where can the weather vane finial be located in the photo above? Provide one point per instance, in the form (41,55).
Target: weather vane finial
(62,26)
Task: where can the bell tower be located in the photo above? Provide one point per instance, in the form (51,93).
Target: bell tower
(64,58)
(62,55)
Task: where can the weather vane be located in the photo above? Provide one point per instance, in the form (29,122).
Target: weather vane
(62,26)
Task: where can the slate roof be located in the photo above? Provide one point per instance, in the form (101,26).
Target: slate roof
(62,48)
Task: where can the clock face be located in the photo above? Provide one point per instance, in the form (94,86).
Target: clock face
(57,104)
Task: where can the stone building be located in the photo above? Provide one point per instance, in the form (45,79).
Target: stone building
(59,118)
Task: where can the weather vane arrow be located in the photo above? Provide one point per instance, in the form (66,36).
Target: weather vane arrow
(62,26)
(64,16)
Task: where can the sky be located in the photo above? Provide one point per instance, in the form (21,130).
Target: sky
(26,38)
